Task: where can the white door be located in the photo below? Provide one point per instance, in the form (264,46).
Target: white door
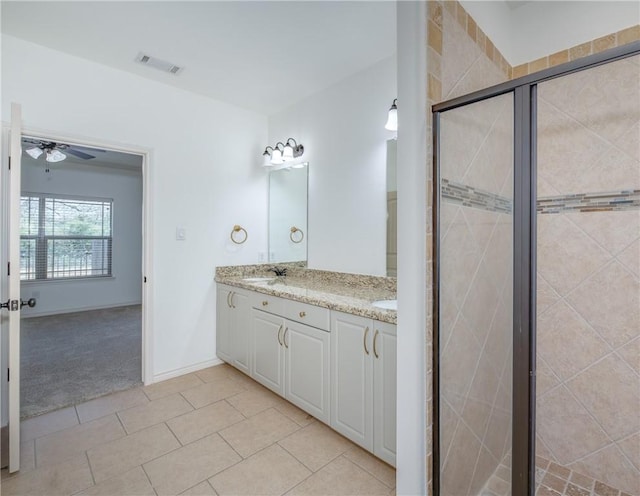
(15,153)
(267,366)
(223,323)
(240,331)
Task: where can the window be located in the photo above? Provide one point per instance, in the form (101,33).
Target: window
(64,238)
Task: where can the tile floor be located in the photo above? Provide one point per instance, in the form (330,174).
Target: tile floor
(215,431)
(551,480)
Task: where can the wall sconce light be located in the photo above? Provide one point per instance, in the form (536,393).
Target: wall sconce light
(392,120)
(282,153)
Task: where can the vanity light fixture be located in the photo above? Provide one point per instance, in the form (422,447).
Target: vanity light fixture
(282,153)
(392,120)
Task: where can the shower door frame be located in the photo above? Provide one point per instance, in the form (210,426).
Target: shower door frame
(524,90)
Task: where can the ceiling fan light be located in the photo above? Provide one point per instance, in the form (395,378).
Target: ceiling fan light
(34,152)
(54,156)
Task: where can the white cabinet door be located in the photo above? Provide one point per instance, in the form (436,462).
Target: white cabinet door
(268,364)
(223,323)
(352,378)
(241,330)
(307,369)
(384,391)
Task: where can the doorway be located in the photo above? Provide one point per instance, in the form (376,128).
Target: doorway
(537,222)
(81,263)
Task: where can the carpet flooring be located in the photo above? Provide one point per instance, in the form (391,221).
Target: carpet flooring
(70,358)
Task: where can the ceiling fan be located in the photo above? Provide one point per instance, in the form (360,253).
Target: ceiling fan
(53,151)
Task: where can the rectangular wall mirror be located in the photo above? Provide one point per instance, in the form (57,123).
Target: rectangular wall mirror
(392,210)
(288,233)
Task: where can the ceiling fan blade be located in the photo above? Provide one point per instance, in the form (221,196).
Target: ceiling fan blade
(78,147)
(78,153)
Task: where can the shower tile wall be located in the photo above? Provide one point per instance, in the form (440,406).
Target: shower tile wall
(588,383)
(476,234)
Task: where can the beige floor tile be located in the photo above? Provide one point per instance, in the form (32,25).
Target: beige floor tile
(316,445)
(123,454)
(254,401)
(131,483)
(258,432)
(202,489)
(217,372)
(376,467)
(111,403)
(340,477)
(190,465)
(204,421)
(57,447)
(271,471)
(143,416)
(65,478)
(300,417)
(171,386)
(208,393)
(49,422)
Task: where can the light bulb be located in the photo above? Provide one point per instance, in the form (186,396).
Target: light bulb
(266,159)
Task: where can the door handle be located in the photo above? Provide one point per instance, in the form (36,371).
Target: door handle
(364,340)
(284,338)
(228,296)
(233,293)
(279,331)
(31,302)
(375,338)
(11,305)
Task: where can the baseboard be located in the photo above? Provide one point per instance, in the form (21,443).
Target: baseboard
(25,315)
(184,370)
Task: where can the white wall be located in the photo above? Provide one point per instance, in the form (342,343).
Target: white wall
(204,175)
(536,29)
(125,189)
(342,130)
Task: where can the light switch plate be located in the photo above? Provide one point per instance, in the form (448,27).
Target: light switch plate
(181,233)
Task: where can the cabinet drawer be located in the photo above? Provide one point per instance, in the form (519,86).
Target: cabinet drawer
(267,303)
(307,314)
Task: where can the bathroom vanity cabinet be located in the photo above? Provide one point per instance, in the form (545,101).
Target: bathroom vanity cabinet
(363,382)
(292,358)
(233,324)
(336,366)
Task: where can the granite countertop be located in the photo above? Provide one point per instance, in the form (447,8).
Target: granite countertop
(352,294)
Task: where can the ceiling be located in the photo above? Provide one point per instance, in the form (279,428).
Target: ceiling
(260,55)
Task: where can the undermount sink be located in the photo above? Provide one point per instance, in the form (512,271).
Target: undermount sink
(386,304)
(258,279)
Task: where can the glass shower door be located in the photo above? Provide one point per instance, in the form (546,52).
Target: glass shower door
(476,161)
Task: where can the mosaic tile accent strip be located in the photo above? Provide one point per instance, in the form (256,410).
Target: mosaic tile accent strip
(468,196)
(590,202)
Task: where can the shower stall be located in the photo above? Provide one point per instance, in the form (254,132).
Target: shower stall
(537,278)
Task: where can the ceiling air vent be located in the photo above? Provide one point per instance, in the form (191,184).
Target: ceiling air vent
(161,65)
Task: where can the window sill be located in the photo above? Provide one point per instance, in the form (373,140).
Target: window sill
(68,279)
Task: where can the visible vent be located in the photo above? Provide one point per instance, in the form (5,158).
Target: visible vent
(159,64)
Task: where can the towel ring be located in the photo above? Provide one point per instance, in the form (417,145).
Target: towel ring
(237,229)
(294,230)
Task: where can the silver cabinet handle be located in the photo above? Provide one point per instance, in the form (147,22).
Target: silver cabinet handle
(375,338)
(284,337)
(279,331)
(364,340)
